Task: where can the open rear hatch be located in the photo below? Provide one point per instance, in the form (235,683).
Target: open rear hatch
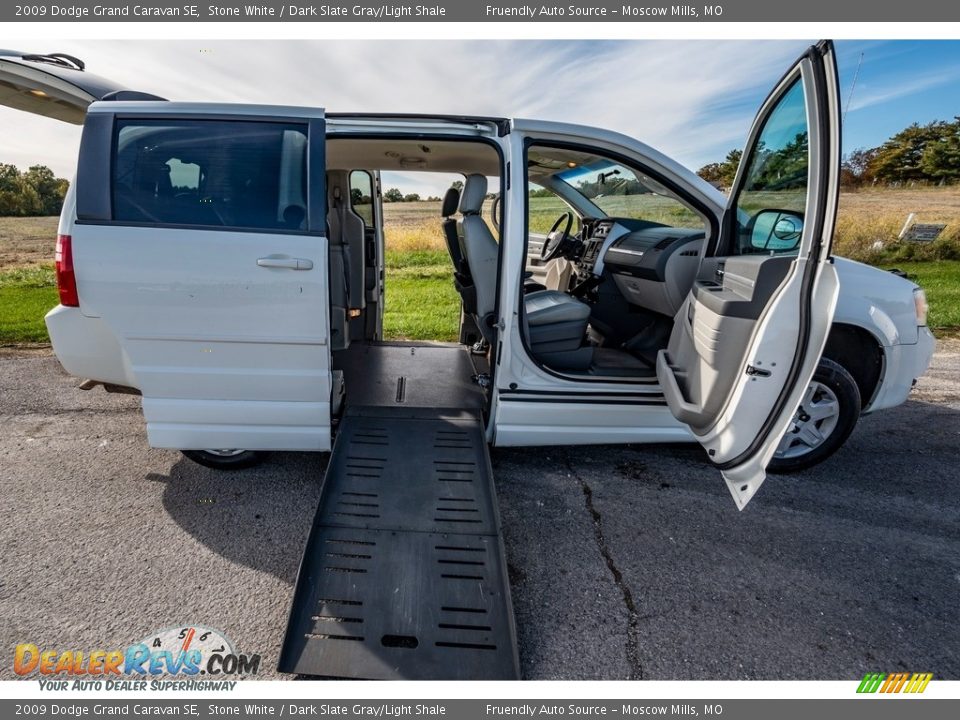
(56,85)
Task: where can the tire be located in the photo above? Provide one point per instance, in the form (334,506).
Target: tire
(827,415)
(225,459)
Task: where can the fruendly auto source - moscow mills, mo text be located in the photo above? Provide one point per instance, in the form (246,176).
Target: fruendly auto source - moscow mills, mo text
(593,11)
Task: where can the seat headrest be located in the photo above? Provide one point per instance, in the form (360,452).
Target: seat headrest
(473,195)
(450,203)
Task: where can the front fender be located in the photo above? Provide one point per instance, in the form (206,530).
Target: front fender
(877,301)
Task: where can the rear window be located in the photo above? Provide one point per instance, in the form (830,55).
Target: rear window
(211,173)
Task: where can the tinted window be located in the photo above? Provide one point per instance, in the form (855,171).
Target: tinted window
(773,197)
(211,173)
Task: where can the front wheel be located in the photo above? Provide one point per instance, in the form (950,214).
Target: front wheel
(827,415)
(225,459)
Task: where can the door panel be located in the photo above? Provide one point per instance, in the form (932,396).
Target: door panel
(747,339)
(211,271)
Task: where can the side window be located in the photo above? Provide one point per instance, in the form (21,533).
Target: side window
(545,207)
(772,199)
(210,173)
(361,196)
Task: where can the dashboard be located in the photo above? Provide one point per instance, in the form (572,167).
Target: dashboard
(652,265)
(646,253)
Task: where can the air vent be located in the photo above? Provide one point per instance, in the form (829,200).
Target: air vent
(690,253)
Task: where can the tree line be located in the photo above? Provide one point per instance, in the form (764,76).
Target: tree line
(928,154)
(36,191)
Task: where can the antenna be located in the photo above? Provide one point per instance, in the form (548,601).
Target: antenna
(853,86)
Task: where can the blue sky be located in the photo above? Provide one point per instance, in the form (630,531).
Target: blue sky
(900,83)
(693,100)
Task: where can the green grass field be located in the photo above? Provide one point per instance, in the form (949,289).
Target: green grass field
(421,302)
(941,282)
(26,294)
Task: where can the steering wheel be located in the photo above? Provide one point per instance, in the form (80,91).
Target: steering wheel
(557,239)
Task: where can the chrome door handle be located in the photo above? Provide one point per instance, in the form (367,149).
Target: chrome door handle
(288,263)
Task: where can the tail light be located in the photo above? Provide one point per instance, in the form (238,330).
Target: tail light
(66,279)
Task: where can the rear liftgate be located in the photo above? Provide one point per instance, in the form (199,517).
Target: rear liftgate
(404,575)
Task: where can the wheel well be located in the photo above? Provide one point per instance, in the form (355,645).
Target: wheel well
(860,354)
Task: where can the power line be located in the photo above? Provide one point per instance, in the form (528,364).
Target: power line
(853,86)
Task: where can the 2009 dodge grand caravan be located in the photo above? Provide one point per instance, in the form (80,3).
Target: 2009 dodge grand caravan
(226,262)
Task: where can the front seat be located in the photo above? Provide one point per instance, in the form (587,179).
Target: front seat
(461,272)
(451,200)
(556,323)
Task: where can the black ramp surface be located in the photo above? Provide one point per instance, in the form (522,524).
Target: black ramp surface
(404,574)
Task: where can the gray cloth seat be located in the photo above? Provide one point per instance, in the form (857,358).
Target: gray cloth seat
(451,235)
(552,306)
(451,200)
(556,323)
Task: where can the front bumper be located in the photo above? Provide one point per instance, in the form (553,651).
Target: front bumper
(903,365)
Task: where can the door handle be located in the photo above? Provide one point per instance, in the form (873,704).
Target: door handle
(288,263)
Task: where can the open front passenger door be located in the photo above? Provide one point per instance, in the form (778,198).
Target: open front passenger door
(748,338)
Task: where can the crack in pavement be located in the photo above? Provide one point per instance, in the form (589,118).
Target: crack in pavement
(633,617)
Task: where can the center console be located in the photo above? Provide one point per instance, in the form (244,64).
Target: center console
(597,233)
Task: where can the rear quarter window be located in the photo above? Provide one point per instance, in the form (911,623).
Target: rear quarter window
(210,173)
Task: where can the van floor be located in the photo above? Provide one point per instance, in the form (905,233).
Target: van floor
(411,374)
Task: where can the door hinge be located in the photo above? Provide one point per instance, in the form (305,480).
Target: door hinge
(760,372)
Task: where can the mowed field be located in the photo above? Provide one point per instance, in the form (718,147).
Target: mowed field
(422,303)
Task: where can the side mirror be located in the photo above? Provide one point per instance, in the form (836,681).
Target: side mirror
(775,230)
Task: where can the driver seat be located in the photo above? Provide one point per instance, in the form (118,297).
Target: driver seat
(556,323)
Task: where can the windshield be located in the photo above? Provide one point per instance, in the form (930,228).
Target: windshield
(622,192)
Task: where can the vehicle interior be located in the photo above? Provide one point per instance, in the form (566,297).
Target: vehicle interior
(622,249)
(415,373)
(611,256)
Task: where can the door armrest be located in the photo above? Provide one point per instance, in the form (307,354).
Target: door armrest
(684,411)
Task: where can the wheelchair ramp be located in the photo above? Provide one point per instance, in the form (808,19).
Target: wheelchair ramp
(404,575)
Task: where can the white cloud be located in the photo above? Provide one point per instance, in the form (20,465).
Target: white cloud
(689,99)
(868,95)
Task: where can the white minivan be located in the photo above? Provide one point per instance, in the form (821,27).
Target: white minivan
(226,262)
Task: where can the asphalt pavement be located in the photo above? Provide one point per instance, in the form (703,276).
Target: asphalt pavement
(625,561)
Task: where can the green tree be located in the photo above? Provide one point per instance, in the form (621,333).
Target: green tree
(393,195)
(36,192)
(412,197)
(722,173)
(49,188)
(856,167)
(940,159)
(782,168)
(900,158)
